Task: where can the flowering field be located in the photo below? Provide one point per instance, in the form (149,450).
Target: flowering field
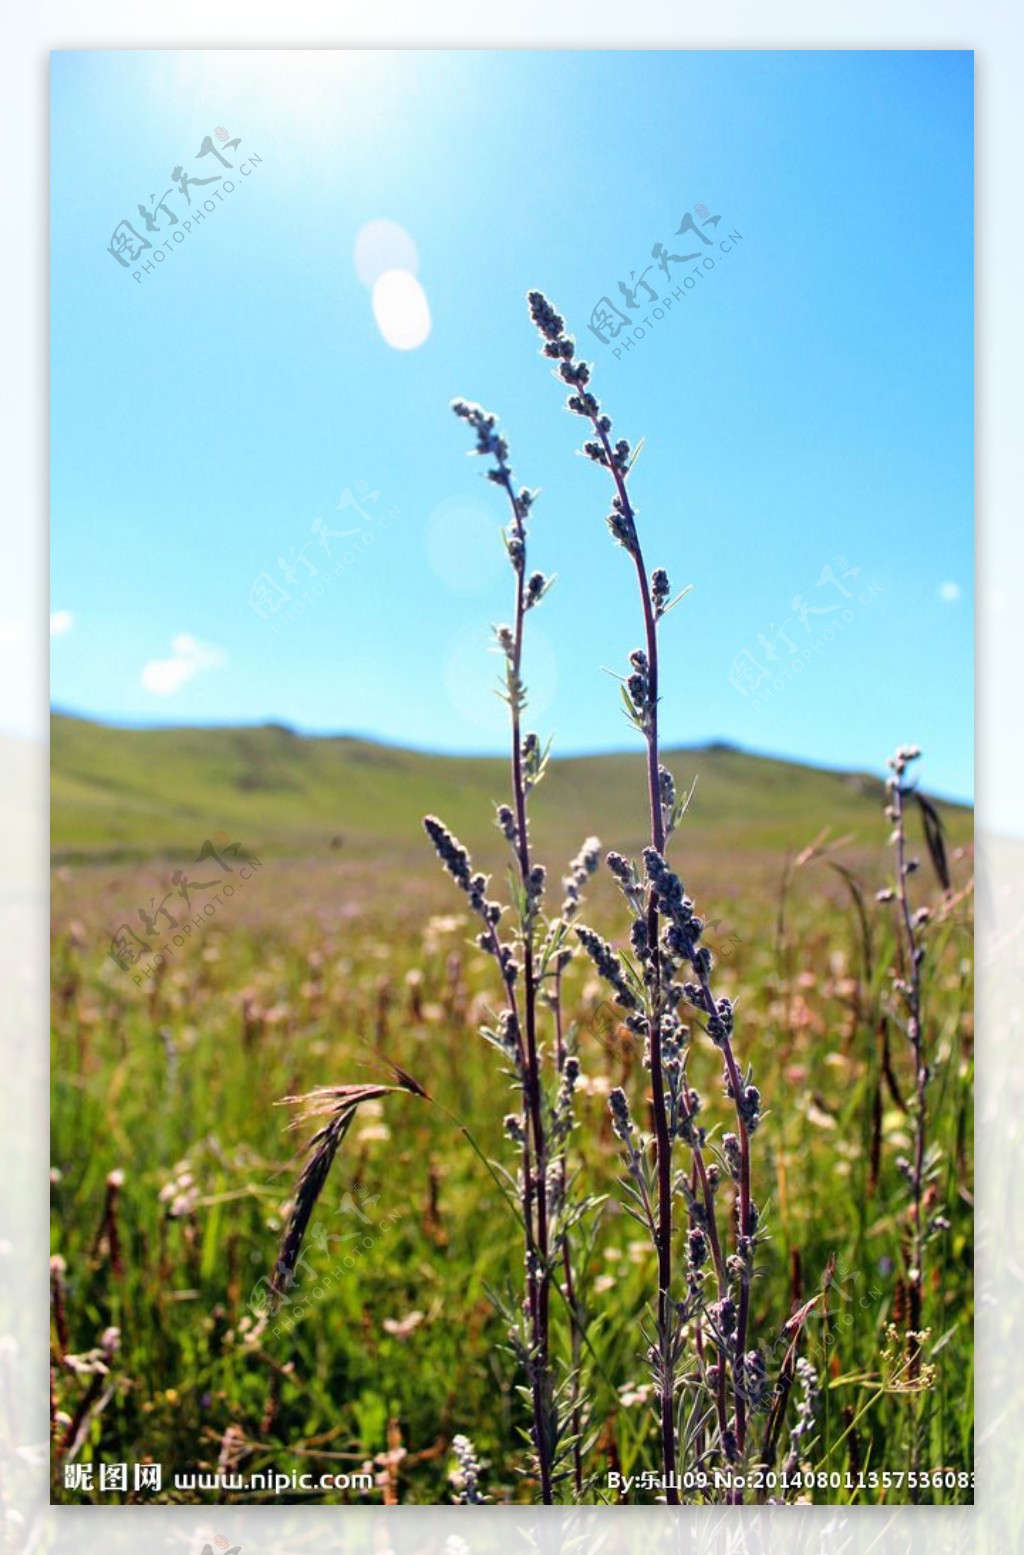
(345,952)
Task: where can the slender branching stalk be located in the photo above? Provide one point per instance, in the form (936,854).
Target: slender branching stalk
(573,1300)
(530,964)
(925,1220)
(665,938)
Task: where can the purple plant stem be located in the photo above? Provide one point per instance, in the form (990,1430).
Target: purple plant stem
(657,1083)
(570,1288)
(666,1314)
(920,1069)
(539,1286)
(744,1227)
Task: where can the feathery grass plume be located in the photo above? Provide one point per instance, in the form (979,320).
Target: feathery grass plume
(339,1105)
(666,939)
(530,962)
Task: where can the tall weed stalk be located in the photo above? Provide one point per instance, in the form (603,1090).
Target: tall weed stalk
(666,945)
(920,1171)
(530,962)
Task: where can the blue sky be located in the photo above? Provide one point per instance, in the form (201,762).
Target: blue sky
(806,402)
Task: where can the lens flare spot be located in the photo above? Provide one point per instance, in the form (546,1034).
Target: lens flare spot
(401,309)
(381,246)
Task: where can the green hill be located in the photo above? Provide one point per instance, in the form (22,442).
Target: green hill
(128,793)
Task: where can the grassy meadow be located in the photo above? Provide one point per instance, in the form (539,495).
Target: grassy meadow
(346,948)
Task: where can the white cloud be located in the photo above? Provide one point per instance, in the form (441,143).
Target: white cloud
(949,593)
(165,676)
(61,621)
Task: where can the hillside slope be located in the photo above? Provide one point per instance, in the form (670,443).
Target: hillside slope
(120,793)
